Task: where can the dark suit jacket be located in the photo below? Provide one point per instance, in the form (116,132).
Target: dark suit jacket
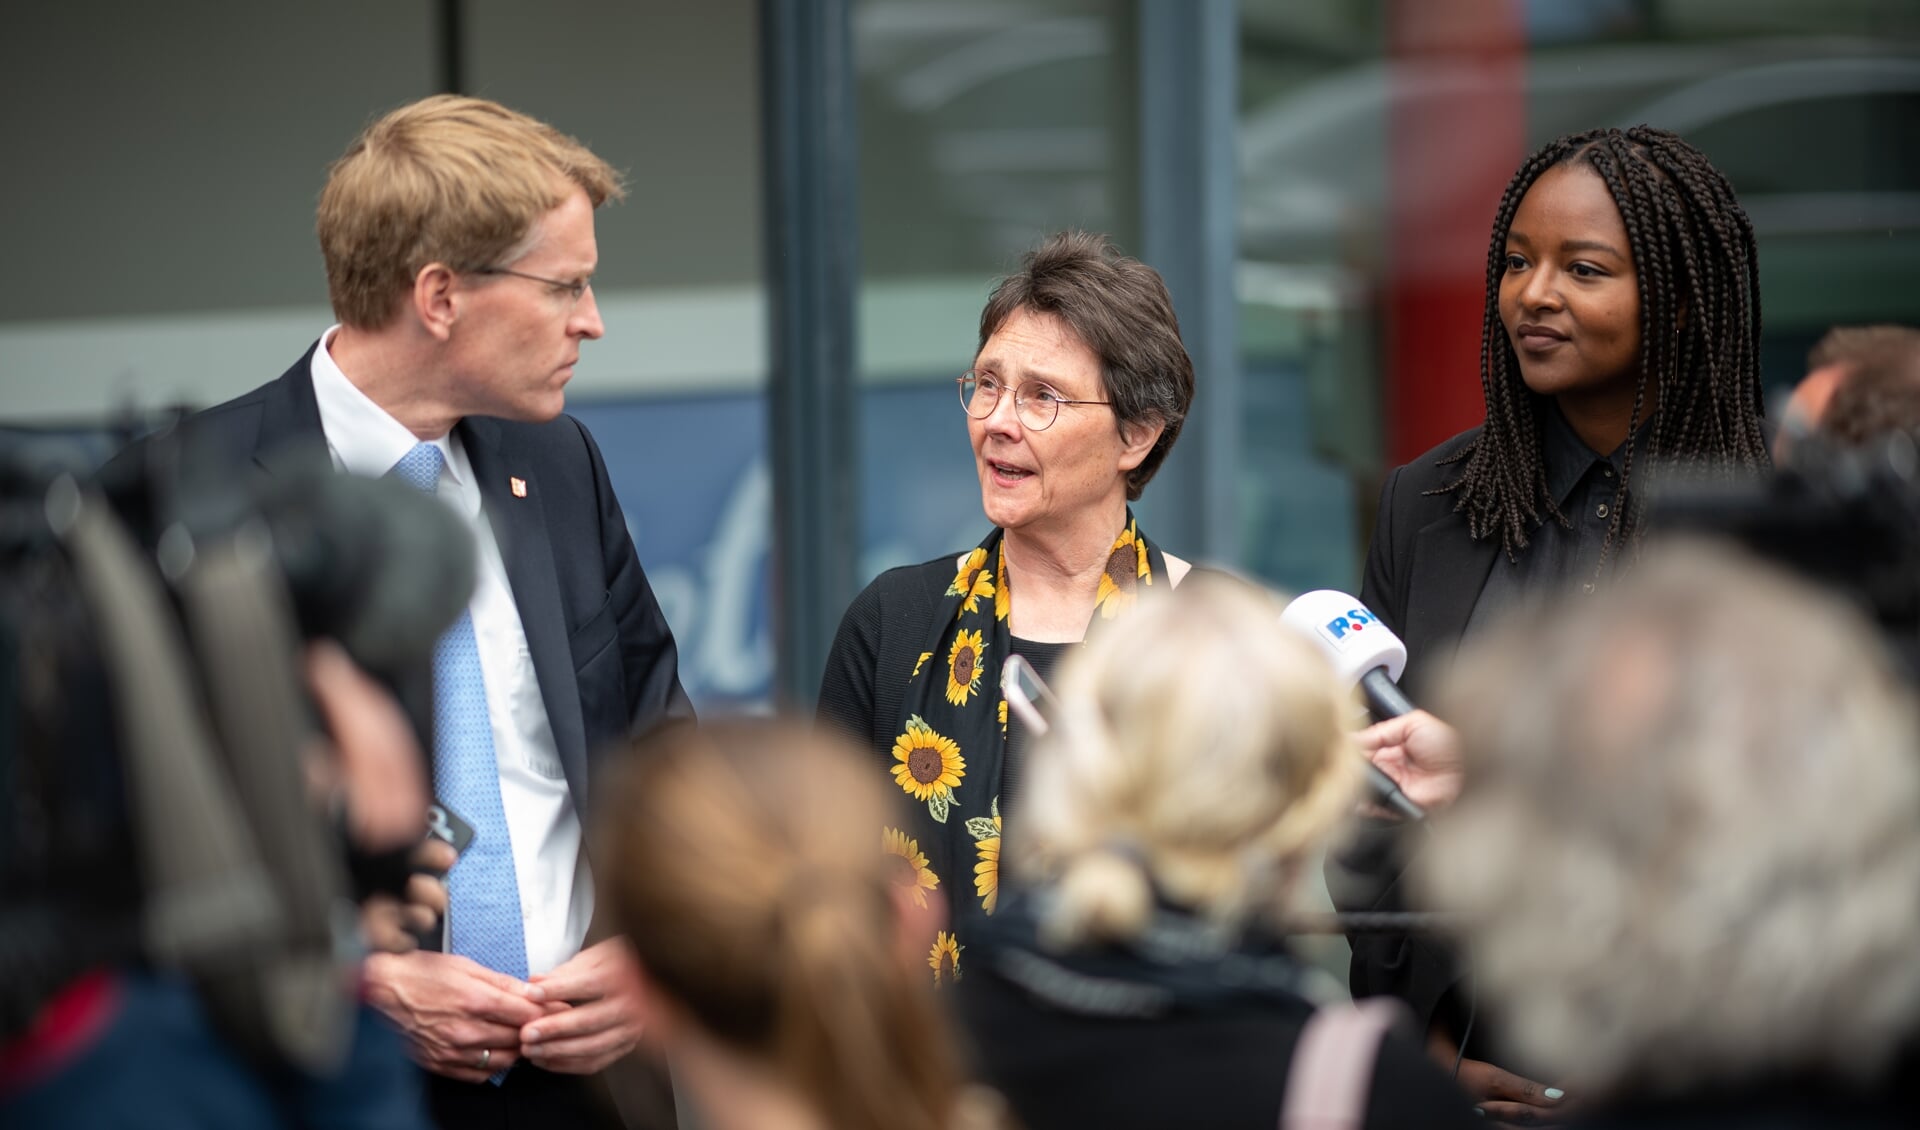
(602,652)
(1423,576)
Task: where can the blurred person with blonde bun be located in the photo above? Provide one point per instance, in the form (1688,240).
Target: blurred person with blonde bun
(1689,854)
(782,946)
(1135,976)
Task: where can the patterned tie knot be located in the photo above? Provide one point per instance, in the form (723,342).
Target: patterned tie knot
(420,468)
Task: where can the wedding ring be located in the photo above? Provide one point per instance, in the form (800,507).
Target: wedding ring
(486,1056)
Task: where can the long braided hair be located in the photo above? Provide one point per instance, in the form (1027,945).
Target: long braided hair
(1699,282)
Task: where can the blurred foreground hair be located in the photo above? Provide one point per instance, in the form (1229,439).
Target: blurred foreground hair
(1199,752)
(1690,852)
(742,862)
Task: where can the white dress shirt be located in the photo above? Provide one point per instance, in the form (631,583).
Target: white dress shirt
(556,889)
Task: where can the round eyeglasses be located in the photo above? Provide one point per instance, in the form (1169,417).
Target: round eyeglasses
(1035,405)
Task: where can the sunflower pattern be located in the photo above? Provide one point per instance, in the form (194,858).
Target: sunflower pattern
(930,766)
(944,958)
(964,666)
(1003,592)
(952,729)
(986,873)
(972,583)
(912,871)
(1127,569)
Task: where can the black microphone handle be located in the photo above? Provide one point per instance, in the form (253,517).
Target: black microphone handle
(1390,796)
(1384,698)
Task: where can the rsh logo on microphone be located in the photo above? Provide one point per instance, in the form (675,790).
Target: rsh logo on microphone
(1340,630)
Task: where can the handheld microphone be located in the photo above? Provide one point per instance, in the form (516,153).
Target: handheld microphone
(1365,652)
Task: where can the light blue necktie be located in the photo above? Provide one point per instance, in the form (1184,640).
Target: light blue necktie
(483,889)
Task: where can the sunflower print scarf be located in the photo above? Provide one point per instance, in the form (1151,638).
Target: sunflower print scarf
(950,754)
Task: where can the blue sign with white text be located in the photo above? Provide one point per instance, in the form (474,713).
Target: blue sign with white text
(693,478)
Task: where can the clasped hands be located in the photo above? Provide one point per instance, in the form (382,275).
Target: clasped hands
(468,1022)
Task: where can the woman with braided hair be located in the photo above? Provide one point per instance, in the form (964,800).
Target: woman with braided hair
(1621,333)
(1620,341)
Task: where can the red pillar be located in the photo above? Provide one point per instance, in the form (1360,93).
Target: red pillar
(1456,130)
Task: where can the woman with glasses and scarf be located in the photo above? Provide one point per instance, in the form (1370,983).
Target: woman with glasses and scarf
(1075,396)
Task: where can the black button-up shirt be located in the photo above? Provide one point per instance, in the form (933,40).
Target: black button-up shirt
(1556,557)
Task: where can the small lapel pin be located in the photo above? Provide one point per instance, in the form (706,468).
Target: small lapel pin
(519,487)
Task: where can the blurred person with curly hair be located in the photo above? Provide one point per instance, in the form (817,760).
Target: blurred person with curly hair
(1883,402)
(1690,854)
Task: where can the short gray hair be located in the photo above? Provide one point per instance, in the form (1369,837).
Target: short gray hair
(1689,849)
(1119,307)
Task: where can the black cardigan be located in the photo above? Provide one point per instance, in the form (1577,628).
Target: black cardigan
(882,631)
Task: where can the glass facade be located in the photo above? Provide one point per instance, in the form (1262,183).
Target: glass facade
(983,128)
(163,169)
(1378,136)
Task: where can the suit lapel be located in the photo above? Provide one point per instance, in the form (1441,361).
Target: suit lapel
(291,436)
(519,526)
(290,431)
(1449,569)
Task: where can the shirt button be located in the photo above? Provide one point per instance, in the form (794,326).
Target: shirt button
(1606,472)
(1587,588)
(1600,511)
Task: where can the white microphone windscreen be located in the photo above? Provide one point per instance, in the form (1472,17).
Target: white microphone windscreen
(1350,635)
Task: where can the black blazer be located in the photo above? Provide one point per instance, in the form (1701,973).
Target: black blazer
(1423,577)
(1424,574)
(602,652)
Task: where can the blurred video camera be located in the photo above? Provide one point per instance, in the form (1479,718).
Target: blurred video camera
(157,727)
(1847,519)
